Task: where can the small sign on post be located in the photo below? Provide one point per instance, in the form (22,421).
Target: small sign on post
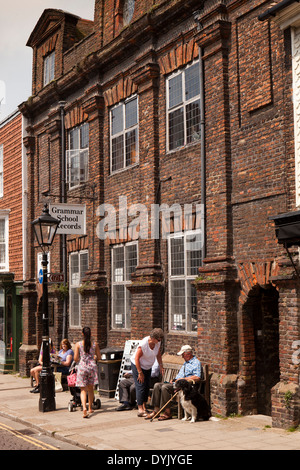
(56,277)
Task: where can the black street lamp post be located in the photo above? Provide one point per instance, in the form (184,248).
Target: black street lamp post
(45,228)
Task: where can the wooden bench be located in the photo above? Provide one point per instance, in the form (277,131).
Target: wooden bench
(172,365)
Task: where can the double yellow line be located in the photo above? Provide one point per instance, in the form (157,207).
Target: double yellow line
(31,440)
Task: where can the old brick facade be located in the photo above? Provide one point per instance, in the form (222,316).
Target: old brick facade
(226,144)
(12,216)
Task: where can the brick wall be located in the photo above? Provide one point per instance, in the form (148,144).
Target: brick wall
(249,170)
(11,139)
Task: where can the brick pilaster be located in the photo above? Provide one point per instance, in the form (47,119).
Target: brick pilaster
(217,293)
(286,393)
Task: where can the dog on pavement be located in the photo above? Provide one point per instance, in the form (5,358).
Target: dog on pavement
(193,403)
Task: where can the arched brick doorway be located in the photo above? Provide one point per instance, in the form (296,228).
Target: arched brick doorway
(259,338)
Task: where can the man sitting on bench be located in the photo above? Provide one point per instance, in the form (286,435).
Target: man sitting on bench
(127,394)
(163,391)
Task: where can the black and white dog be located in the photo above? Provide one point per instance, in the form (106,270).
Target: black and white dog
(193,403)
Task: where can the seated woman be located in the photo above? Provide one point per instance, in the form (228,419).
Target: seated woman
(66,356)
(35,371)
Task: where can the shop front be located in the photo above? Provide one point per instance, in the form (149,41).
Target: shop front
(10,324)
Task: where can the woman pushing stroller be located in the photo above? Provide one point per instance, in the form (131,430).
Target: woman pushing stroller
(86,354)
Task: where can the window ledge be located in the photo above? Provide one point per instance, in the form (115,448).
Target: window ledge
(117,172)
(182,333)
(183,147)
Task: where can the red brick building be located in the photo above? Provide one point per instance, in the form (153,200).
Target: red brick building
(12,220)
(181,104)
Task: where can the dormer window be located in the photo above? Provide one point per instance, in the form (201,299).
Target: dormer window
(128,11)
(49,67)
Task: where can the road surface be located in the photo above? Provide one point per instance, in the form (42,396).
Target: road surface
(16,436)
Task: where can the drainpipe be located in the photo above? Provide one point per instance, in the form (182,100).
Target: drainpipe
(24,196)
(63,200)
(203,153)
(197,17)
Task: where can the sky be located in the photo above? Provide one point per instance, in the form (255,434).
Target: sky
(17,20)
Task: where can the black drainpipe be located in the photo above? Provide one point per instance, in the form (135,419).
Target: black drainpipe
(203,154)
(63,200)
(196,15)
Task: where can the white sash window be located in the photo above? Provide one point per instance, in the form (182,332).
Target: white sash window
(183,107)
(184,260)
(124,134)
(79,262)
(78,155)
(124,262)
(49,68)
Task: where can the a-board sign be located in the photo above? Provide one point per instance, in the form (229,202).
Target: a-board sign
(130,347)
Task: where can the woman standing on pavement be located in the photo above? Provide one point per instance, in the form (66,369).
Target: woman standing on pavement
(86,354)
(141,364)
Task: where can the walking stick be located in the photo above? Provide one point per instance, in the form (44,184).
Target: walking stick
(163,407)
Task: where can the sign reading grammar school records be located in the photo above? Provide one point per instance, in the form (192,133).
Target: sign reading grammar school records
(72,218)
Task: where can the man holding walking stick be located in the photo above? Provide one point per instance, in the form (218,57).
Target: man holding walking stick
(163,392)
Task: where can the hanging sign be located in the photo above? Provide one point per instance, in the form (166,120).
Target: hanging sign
(72,218)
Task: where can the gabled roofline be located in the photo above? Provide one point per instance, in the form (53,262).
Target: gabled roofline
(10,117)
(46,16)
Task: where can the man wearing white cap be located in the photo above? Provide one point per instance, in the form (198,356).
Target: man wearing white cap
(162,392)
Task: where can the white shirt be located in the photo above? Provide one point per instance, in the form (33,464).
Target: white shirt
(149,355)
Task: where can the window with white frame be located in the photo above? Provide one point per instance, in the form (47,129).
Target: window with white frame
(4,264)
(78,155)
(49,68)
(1,170)
(183,106)
(184,260)
(124,262)
(78,266)
(124,134)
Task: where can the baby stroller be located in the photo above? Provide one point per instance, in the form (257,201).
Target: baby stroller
(75,392)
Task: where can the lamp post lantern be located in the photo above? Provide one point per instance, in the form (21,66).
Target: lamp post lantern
(45,228)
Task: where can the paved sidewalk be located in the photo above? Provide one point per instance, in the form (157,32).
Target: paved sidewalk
(110,430)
